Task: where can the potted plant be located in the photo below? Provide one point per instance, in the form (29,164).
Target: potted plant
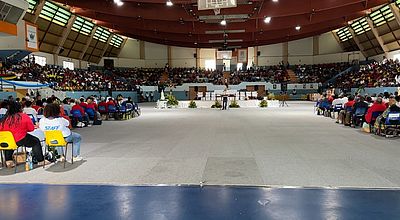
(217,104)
(234,104)
(172,101)
(192,104)
(263,104)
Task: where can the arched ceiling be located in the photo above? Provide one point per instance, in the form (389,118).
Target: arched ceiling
(183,25)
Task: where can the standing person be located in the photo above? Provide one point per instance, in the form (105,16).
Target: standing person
(224,100)
(152,96)
(109,88)
(19,124)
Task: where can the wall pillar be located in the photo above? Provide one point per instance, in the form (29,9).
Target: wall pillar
(285,52)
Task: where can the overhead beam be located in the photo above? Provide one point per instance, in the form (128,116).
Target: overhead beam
(122,46)
(88,43)
(396,12)
(339,42)
(106,47)
(376,34)
(360,46)
(38,9)
(65,34)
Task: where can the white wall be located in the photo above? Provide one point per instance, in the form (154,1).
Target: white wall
(270,54)
(156,55)
(183,57)
(328,44)
(301,51)
(124,62)
(14,42)
(206,54)
(131,50)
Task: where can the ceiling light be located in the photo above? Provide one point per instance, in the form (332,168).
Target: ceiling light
(298,28)
(275,0)
(169,3)
(118,2)
(267,20)
(223,22)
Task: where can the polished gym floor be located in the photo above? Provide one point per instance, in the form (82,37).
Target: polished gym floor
(223,151)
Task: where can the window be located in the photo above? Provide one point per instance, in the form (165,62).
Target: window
(101,34)
(344,34)
(31,6)
(360,26)
(396,57)
(210,64)
(68,65)
(40,60)
(116,41)
(82,26)
(239,66)
(55,14)
(381,16)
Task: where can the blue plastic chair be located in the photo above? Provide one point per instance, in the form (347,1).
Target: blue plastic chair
(91,113)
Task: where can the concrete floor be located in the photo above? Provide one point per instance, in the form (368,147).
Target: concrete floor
(274,147)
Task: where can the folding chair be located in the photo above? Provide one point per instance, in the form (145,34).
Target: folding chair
(55,139)
(7,142)
(392,120)
(358,115)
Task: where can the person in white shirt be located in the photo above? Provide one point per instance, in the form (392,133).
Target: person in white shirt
(53,121)
(3,108)
(29,110)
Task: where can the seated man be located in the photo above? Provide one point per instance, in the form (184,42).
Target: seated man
(91,108)
(31,112)
(81,118)
(377,106)
(394,106)
(345,114)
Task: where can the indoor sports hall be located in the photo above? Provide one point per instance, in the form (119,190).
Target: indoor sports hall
(199,109)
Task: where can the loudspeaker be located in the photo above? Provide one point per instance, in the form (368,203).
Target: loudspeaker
(258,53)
(256,88)
(195,55)
(108,63)
(196,88)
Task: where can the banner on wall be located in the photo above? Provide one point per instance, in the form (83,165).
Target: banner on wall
(242,56)
(32,43)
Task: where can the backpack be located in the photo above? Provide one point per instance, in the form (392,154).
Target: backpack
(97,122)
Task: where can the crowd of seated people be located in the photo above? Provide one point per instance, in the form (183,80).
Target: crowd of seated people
(132,79)
(383,74)
(379,114)
(30,117)
(319,73)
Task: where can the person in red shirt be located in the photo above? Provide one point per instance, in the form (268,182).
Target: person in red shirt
(77,106)
(19,124)
(378,106)
(349,103)
(82,103)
